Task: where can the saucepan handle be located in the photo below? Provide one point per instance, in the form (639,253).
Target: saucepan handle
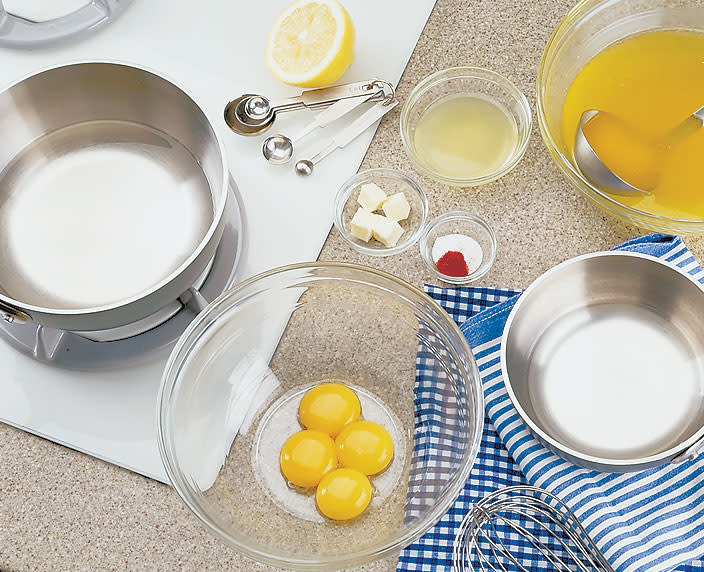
(691,452)
(20,32)
(10,314)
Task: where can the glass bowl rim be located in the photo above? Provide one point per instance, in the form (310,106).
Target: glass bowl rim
(346,190)
(640,217)
(472,386)
(425,248)
(475,72)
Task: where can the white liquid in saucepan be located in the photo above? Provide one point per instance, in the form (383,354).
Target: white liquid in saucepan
(97,213)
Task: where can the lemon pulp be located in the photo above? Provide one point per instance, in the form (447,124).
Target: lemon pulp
(311,43)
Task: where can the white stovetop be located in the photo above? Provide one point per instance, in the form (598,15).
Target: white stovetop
(215,51)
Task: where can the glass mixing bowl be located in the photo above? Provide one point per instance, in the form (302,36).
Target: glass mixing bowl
(587,29)
(231,389)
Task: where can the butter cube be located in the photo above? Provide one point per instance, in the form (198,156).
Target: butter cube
(371,197)
(396,207)
(385,230)
(361,225)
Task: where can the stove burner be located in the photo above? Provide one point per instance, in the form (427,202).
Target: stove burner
(60,348)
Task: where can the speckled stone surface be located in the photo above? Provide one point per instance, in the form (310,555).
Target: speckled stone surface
(64,511)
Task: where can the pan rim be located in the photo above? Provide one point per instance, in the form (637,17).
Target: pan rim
(218,207)
(605,463)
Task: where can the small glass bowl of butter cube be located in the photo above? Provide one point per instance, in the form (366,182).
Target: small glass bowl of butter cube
(381,212)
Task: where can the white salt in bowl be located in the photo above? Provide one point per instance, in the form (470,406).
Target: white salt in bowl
(391,182)
(463,223)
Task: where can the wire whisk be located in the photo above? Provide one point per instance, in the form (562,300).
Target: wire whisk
(523,528)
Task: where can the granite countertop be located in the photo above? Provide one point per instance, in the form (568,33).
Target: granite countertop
(61,510)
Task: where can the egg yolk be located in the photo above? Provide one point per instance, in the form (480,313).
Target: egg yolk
(328,408)
(343,494)
(306,456)
(365,446)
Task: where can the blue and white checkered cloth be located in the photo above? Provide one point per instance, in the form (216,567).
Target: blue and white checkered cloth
(647,521)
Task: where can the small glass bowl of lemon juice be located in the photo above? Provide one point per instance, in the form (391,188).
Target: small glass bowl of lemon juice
(465,126)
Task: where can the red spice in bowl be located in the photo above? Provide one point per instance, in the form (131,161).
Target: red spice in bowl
(452,263)
(453,234)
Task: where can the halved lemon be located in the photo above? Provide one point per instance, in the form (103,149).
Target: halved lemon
(311,44)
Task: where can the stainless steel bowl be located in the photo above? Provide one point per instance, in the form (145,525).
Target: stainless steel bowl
(603,357)
(113,185)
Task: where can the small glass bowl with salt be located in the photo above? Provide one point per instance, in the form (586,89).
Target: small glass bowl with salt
(458,247)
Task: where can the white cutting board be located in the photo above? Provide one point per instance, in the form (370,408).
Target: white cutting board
(213,49)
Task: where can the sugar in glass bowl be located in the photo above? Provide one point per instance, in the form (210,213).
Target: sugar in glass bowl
(229,398)
(586,30)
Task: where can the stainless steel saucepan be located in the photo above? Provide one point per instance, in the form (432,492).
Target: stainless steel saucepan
(113,184)
(603,357)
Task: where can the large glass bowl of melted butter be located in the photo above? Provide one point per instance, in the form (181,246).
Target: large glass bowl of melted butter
(642,61)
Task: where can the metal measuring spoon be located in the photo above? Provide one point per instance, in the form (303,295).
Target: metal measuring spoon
(278,149)
(598,173)
(250,114)
(304,167)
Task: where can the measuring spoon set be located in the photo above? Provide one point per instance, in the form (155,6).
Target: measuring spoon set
(251,114)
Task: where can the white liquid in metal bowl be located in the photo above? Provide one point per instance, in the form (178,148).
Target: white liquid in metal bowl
(97,213)
(615,381)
